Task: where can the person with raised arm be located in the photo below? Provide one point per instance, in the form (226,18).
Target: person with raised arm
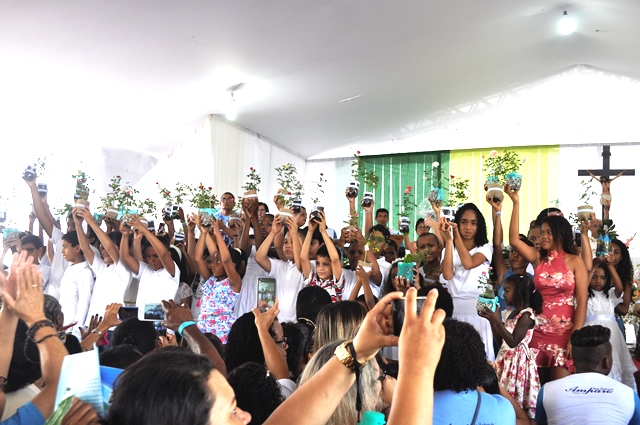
(561,277)
(289,279)
(160,276)
(422,337)
(22,298)
(112,277)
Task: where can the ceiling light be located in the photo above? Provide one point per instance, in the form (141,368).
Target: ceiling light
(566,25)
(232,109)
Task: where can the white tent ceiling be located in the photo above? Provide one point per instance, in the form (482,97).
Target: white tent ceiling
(141,74)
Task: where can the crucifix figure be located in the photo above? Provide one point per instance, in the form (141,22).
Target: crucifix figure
(605,173)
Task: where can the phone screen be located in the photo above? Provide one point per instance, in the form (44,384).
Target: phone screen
(266,293)
(151,312)
(127,312)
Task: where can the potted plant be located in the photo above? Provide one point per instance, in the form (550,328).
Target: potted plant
(487,299)
(167,211)
(81,195)
(435,177)
(146,209)
(458,191)
(361,173)
(502,169)
(406,266)
(127,202)
(586,191)
(206,202)
(290,188)
(64,211)
(316,193)
(110,204)
(251,186)
(406,209)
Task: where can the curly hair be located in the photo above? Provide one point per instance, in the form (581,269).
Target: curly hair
(295,345)
(243,343)
(562,234)
(624,267)
(257,392)
(140,334)
(524,292)
(463,360)
(481,234)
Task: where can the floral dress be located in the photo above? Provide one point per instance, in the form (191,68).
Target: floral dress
(517,370)
(216,307)
(557,285)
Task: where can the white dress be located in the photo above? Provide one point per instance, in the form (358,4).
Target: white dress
(464,288)
(600,312)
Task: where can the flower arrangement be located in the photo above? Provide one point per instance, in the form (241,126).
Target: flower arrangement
(435,177)
(360,172)
(290,186)
(146,207)
(317,190)
(503,168)
(485,282)
(201,197)
(253,180)
(458,191)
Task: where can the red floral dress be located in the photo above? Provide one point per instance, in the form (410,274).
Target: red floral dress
(557,285)
(516,368)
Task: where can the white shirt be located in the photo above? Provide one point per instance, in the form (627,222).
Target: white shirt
(350,280)
(289,281)
(248,295)
(465,283)
(75,294)
(111,282)
(58,265)
(587,398)
(45,270)
(156,286)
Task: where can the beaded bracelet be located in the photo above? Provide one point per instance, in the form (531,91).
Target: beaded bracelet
(31,332)
(184,325)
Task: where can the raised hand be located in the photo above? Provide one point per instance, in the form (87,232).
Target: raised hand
(175,315)
(264,320)
(277,225)
(28,305)
(375,331)
(513,194)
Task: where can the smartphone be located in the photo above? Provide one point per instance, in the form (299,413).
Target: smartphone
(397,313)
(161,228)
(151,312)
(127,312)
(266,293)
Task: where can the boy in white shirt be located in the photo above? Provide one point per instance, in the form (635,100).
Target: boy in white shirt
(33,245)
(112,277)
(159,276)
(76,284)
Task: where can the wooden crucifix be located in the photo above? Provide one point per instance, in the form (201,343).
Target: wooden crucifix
(603,176)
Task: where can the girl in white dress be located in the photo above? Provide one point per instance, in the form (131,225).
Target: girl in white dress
(605,293)
(467,255)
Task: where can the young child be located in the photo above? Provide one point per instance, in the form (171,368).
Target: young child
(605,293)
(429,247)
(159,275)
(76,284)
(220,291)
(516,362)
(328,272)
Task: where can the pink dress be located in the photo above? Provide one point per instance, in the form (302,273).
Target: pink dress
(557,285)
(517,370)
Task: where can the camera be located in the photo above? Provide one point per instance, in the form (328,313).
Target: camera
(42,189)
(397,312)
(29,173)
(315,214)
(178,237)
(353,189)
(3,216)
(151,225)
(367,199)
(166,212)
(297,205)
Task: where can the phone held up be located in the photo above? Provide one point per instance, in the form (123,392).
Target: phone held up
(266,293)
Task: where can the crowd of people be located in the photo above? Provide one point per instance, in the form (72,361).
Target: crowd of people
(256,317)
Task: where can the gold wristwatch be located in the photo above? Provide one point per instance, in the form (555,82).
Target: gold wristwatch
(343,354)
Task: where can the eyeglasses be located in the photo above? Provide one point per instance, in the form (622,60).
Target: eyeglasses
(227,199)
(281,341)
(383,375)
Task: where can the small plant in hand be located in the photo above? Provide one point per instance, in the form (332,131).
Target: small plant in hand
(408,205)
(181,192)
(65,210)
(500,167)
(82,188)
(485,282)
(290,186)
(317,192)
(253,181)
(360,172)
(202,197)
(166,194)
(375,242)
(146,208)
(434,175)
(458,191)
(586,192)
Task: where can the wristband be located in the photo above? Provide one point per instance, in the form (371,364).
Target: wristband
(46,323)
(96,331)
(185,325)
(498,213)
